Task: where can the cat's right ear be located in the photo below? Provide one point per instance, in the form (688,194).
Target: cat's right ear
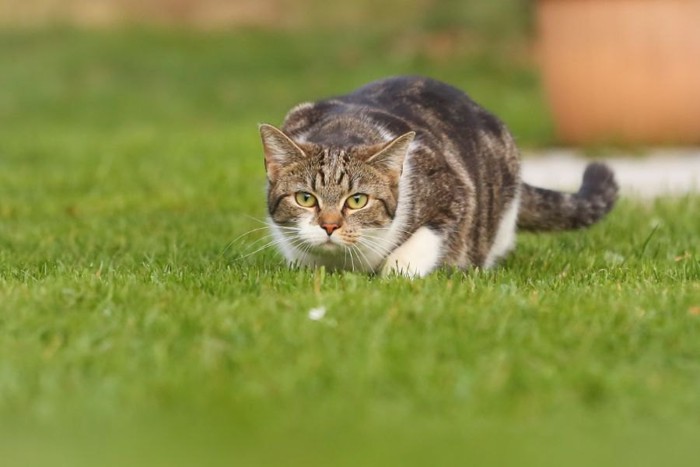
(279,149)
(391,157)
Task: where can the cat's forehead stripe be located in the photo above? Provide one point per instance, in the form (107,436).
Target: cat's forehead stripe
(332,167)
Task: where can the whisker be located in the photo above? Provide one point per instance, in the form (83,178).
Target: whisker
(374,248)
(255,219)
(306,251)
(370,246)
(268,236)
(384,248)
(289,229)
(267,245)
(256,243)
(294,243)
(361,254)
(386,229)
(352,261)
(232,242)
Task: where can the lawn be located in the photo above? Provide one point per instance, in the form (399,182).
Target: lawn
(139,325)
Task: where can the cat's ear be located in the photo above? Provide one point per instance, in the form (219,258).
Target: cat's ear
(391,157)
(279,149)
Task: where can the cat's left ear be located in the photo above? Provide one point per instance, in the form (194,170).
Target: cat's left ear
(279,149)
(391,157)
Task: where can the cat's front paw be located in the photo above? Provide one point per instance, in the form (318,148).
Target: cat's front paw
(417,257)
(396,268)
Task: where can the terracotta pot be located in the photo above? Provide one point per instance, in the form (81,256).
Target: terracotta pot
(622,71)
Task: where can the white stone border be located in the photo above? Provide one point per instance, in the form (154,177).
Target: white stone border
(662,172)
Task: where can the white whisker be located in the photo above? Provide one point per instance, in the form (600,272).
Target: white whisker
(264,247)
(352,260)
(363,256)
(378,250)
(382,244)
(255,219)
(295,243)
(233,242)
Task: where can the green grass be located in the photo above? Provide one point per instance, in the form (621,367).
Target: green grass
(135,327)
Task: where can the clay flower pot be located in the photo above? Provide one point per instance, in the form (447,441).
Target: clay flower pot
(622,71)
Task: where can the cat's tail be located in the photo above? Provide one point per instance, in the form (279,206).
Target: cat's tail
(542,209)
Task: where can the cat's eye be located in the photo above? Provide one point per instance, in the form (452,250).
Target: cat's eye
(305,200)
(357,201)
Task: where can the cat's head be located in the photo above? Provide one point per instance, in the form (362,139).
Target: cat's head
(326,200)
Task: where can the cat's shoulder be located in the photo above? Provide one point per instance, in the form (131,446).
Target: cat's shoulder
(304,115)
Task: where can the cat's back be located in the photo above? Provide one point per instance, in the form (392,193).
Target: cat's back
(402,93)
(427,104)
(446,120)
(402,103)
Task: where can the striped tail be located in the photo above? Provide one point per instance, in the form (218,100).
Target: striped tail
(544,210)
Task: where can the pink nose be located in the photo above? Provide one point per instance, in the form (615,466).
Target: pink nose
(329,228)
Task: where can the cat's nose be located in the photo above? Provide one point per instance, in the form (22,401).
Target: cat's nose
(330,228)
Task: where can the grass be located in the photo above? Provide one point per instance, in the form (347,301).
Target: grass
(136,329)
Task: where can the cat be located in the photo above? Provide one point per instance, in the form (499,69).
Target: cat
(405,175)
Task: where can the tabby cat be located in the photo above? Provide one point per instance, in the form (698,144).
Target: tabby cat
(405,175)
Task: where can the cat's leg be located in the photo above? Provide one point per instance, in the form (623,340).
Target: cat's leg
(417,256)
(505,236)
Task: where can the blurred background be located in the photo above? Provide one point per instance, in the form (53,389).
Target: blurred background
(169,64)
(287,14)
(583,72)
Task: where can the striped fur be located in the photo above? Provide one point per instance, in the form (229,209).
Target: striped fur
(441,175)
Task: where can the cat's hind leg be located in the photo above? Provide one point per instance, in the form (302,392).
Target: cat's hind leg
(417,256)
(505,235)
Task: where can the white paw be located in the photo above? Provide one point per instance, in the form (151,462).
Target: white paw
(417,257)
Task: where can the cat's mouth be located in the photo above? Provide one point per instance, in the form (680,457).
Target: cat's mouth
(329,246)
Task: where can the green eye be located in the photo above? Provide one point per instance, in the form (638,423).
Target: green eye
(357,201)
(305,200)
